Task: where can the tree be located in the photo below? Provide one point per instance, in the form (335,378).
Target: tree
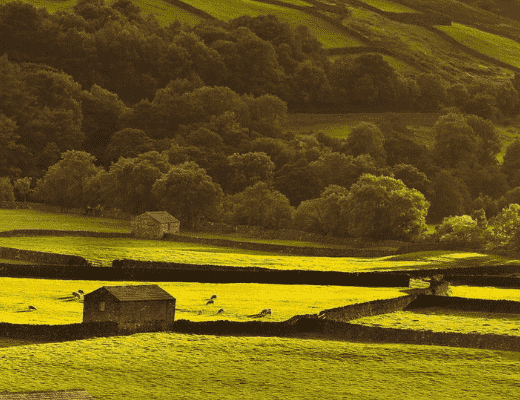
(10,150)
(505,227)
(128,143)
(366,138)
(413,178)
(432,92)
(488,140)
(342,170)
(189,194)
(248,169)
(384,208)
(511,163)
(23,187)
(297,181)
(6,190)
(461,229)
(450,196)
(129,182)
(455,141)
(65,182)
(259,205)
(324,215)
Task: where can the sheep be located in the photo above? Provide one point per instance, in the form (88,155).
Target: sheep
(32,308)
(210,302)
(221,311)
(76,294)
(266,311)
(81,292)
(213,297)
(199,312)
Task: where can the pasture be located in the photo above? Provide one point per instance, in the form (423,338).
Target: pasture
(105,250)
(498,47)
(443,320)
(165,366)
(164,12)
(340,125)
(328,34)
(32,219)
(389,6)
(55,304)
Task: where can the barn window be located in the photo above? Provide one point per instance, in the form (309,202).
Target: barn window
(101,306)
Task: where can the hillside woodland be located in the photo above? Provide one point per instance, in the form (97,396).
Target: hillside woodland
(104,107)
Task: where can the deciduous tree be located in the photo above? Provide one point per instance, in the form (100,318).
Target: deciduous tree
(384,208)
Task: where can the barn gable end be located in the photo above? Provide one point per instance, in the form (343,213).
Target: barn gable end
(154,225)
(139,308)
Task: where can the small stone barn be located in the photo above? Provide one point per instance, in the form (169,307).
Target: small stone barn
(73,394)
(140,308)
(154,224)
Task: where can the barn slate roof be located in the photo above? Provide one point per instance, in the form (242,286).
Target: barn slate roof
(161,216)
(136,292)
(73,394)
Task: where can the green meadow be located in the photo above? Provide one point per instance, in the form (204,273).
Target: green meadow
(328,34)
(389,6)
(31,219)
(163,11)
(105,250)
(486,293)
(163,366)
(498,47)
(443,320)
(55,304)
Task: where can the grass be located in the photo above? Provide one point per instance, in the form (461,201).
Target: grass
(237,237)
(55,306)
(442,320)
(164,12)
(486,293)
(31,219)
(496,46)
(329,35)
(106,250)
(340,125)
(389,6)
(165,366)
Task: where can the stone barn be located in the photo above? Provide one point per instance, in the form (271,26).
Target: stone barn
(140,308)
(154,224)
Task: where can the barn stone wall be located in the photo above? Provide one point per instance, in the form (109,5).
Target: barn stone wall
(144,226)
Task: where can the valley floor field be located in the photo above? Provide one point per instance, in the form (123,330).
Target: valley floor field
(106,250)
(55,304)
(165,366)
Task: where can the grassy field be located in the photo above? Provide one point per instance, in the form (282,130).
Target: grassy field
(389,6)
(165,366)
(340,125)
(106,250)
(496,46)
(164,12)
(486,293)
(31,219)
(328,34)
(55,304)
(443,320)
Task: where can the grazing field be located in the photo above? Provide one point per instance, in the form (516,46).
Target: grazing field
(328,34)
(165,13)
(106,250)
(495,46)
(31,219)
(442,320)
(340,125)
(486,293)
(55,304)
(164,366)
(389,6)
